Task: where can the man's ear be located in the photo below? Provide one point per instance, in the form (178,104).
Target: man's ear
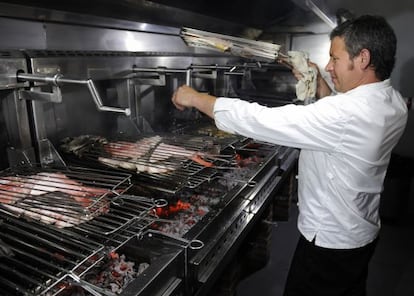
(365,58)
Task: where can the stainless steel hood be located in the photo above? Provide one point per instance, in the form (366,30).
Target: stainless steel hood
(240,18)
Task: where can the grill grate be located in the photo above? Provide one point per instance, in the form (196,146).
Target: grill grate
(43,257)
(165,163)
(62,197)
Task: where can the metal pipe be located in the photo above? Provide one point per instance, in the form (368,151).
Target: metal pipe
(229,69)
(188,77)
(159,70)
(39,78)
(316,10)
(214,67)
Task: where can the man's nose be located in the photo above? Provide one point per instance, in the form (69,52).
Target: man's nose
(328,66)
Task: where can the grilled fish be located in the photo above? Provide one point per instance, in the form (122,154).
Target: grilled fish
(149,155)
(52,198)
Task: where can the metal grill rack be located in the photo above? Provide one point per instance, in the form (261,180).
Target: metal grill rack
(63,197)
(163,163)
(44,257)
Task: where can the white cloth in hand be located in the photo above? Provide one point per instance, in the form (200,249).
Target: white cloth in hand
(306,86)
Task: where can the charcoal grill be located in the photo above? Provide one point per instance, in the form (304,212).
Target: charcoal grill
(45,258)
(65,214)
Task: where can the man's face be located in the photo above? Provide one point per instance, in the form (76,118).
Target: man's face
(344,74)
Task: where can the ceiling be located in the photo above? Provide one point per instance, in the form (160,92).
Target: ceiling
(258,14)
(222,16)
(226,15)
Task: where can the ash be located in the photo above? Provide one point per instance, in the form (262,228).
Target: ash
(236,177)
(246,167)
(117,273)
(193,205)
(185,216)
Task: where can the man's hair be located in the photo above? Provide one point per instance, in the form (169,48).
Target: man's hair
(372,33)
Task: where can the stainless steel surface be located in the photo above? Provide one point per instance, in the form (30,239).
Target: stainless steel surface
(66,37)
(140,15)
(190,231)
(64,26)
(320,13)
(15,134)
(11,63)
(27,11)
(22,34)
(42,36)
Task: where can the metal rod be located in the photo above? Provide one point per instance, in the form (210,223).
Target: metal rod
(159,70)
(58,79)
(188,77)
(38,78)
(229,69)
(316,10)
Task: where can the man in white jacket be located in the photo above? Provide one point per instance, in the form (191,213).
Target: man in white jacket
(346,141)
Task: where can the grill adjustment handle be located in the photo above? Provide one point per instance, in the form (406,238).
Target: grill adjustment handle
(56,96)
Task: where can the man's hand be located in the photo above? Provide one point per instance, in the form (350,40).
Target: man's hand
(182,97)
(187,97)
(322,87)
(298,75)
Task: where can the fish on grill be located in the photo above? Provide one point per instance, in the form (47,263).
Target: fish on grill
(144,155)
(150,155)
(52,198)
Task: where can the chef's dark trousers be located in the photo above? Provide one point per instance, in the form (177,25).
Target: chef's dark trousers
(317,271)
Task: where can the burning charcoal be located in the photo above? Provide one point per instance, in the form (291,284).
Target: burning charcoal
(183,215)
(116,274)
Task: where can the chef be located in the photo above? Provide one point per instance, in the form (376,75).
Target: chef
(346,139)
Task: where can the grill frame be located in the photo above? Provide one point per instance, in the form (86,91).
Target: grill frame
(203,253)
(185,172)
(87,248)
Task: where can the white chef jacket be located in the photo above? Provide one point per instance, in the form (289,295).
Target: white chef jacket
(346,142)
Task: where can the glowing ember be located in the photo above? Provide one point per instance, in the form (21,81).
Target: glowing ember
(247,161)
(173,209)
(193,206)
(117,273)
(184,215)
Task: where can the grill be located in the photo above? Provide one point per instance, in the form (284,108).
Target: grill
(64,198)
(106,188)
(165,163)
(47,258)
